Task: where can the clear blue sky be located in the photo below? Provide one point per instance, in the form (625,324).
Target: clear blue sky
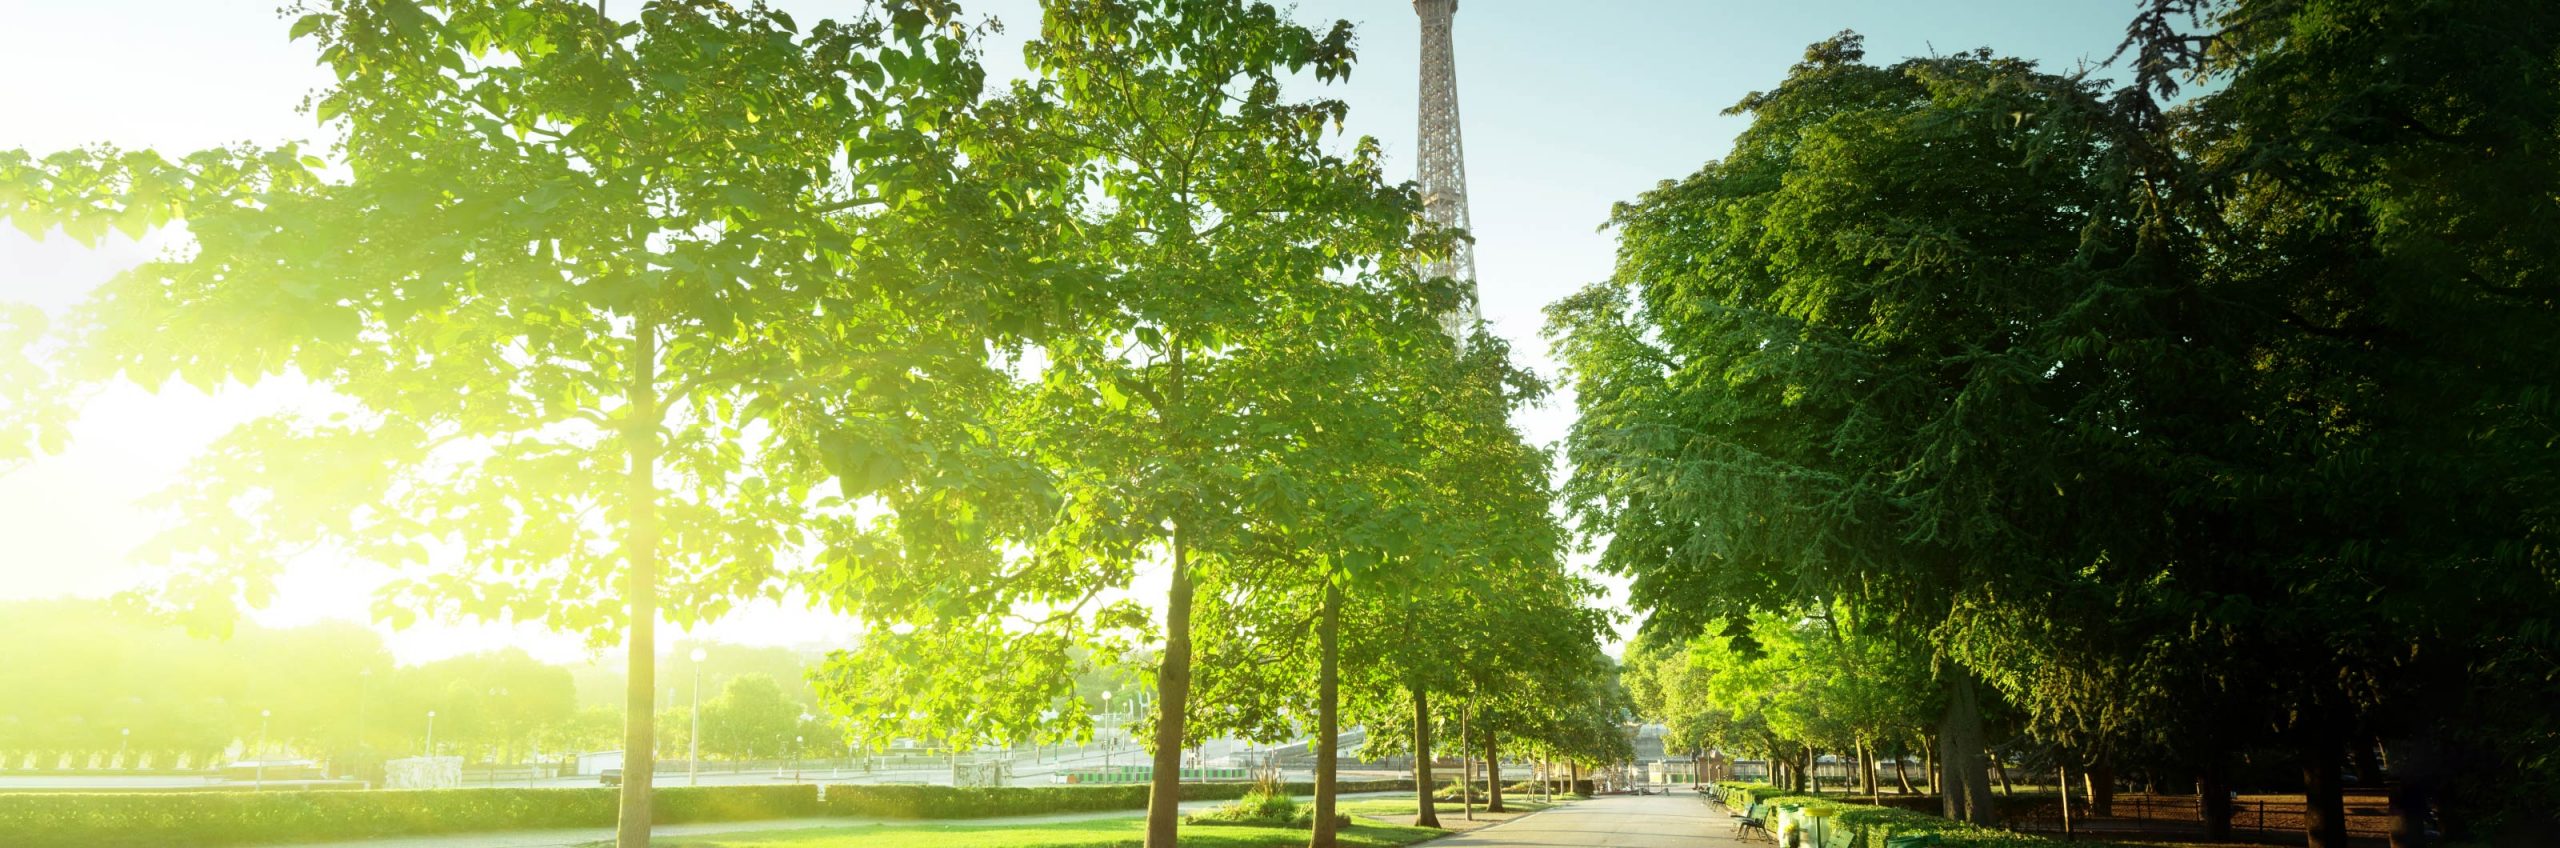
(1569,107)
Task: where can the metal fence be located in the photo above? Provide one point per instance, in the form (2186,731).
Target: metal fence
(2253,817)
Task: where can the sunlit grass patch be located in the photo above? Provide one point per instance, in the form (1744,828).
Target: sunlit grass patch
(1404,807)
(1100,833)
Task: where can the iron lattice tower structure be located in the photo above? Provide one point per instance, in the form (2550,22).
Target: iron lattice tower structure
(1442,160)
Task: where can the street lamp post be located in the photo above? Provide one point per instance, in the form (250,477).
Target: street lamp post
(693,740)
(1107,773)
(261,783)
(124,738)
(364,697)
(494,695)
(431,733)
(797,743)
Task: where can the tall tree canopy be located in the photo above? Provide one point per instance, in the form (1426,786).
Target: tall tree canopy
(1248,390)
(1840,363)
(2189,429)
(597,304)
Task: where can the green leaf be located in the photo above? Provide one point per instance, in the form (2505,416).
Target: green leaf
(306,25)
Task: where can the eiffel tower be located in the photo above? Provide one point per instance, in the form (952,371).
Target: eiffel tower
(1442,158)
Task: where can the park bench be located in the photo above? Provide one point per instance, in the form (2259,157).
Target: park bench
(1745,826)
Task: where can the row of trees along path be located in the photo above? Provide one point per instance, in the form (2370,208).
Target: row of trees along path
(2159,432)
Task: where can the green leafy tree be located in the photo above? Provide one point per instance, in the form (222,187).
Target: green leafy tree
(603,302)
(2171,425)
(1666,687)
(1796,685)
(589,729)
(1842,364)
(1559,695)
(1409,523)
(600,683)
(1402,478)
(2372,197)
(752,714)
(327,691)
(1215,235)
(1494,569)
(495,706)
(33,409)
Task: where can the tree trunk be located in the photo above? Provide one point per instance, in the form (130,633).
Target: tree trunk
(2002,767)
(2324,804)
(2414,768)
(1964,783)
(1929,763)
(1902,770)
(1812,770)
(2101,779)
(1867,772)
(1467,761)
(2062,784)
(1492,775)
(1426,813)
(1328,714)
(640,545)
(2408,814)
(1950,790)
(1173,699)
(2213,798)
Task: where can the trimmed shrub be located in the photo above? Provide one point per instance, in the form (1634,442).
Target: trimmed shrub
(1267,807)
(687,804)
(118,820)
(1852,825)
(1266,804)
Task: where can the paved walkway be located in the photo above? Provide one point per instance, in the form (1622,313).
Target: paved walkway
(1614,821)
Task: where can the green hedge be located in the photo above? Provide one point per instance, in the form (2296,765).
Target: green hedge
(685,804)
(902,801)
(117,820)
(213,820)
(1850,825)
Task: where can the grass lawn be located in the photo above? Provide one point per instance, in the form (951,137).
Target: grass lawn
(1384,807)
(1099,833)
